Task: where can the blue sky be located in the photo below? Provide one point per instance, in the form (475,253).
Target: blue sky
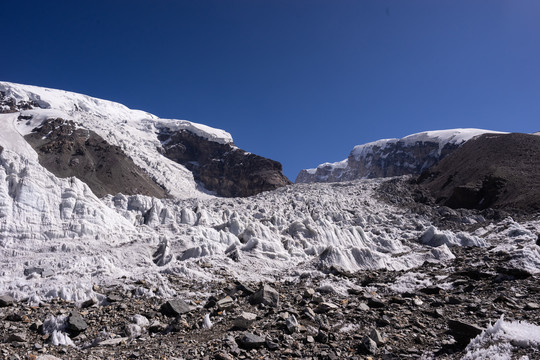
(299,81)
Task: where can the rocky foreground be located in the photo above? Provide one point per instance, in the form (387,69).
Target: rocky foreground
(432,312)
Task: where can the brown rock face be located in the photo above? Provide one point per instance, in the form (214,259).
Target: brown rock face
(493,170)
(67,151)
(223,168)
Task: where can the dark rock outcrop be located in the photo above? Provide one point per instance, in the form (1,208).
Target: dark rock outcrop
(222,168)
(391,157)
(66,150)
(9,105)
(491,171)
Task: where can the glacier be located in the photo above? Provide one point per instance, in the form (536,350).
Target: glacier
(78,240)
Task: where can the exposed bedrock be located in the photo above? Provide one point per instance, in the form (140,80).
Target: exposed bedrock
(491,171)
(222,168)
(391,159)
(66,151)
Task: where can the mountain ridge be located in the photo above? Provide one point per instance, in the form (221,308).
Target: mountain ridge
(411,154)
(137,134)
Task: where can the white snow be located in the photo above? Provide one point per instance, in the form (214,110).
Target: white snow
(442,137)
(434,237)
(498,341)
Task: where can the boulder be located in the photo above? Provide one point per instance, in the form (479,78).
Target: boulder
(266,295)
(174,307)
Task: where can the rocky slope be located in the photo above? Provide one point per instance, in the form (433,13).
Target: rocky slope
(391,157)
(223,168)
(491,171)
(67,151)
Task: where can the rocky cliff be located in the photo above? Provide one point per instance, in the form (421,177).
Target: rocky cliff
(391,157)
(222,168)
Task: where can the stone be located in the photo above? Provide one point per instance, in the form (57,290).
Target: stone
(47,273)
(114,341)
(245,320)
(245,289)
(250,341)
(325,307)
(76,323)
(321,337)
(377,337)
(463,332)
(266,295)
(133,331)
(272,345)
(225,303)
(174,307)
(112,298)
(532,306)
(431,290)
(370,346)
(88,303)
(36,325)
(308,293)
(33,270)
(384,321)
(292,324)
(6,300)
(14,317)
(363,307)
(156,327)
(376,303)
(223,356)
(538,240)
(17,337)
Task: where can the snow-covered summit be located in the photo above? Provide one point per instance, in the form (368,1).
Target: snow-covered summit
(135,132)
(392,157)
(71,103)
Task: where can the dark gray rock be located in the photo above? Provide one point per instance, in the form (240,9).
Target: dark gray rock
(322,337)
(266,295)
(325,307)
(226,303)
(292,324)
(463,332)
(237,173)
(376,303)
(174,307)
(76,323)
(377,337)
(112,298)
(33,270)
(6,300)
(90,302)
(17,337)
(250,341)
(245,320)
(370,346)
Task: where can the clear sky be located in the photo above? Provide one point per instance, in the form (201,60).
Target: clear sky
(299,81)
